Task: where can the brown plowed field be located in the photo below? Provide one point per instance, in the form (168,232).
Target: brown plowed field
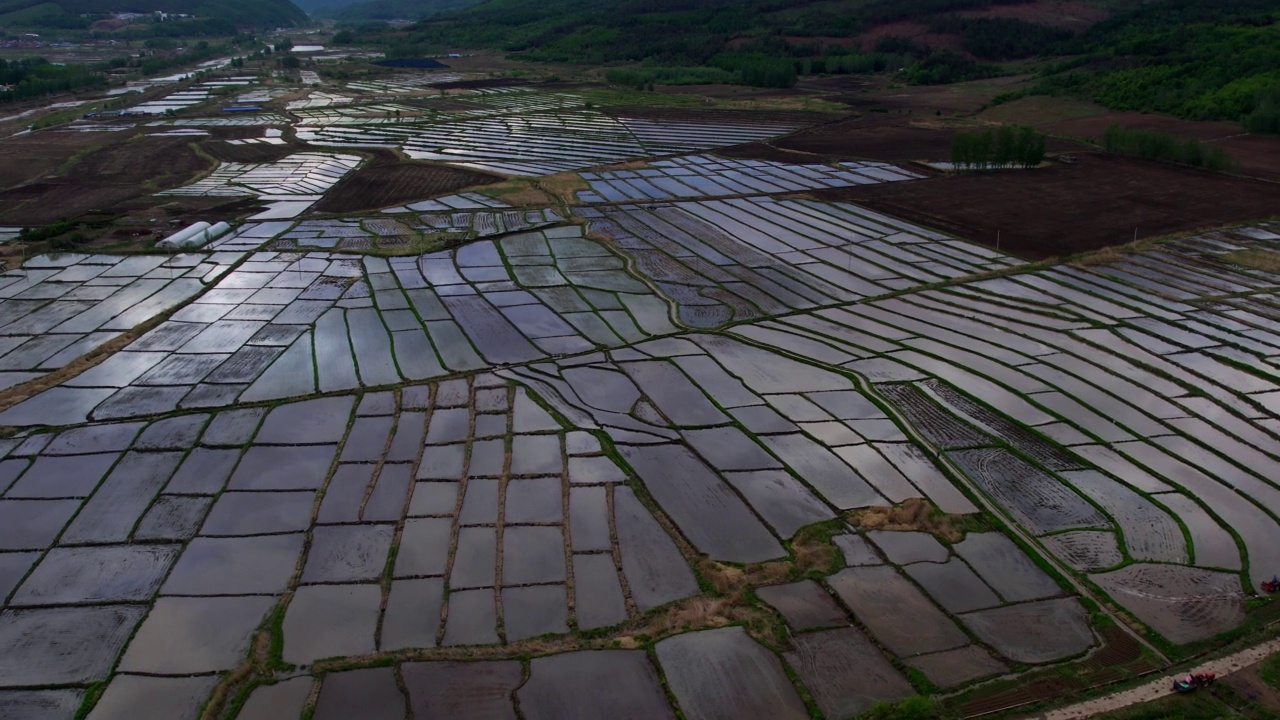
(103,180)
(872,137)
(251,153)
(217,146)
(1067,209)
(729,117)
(384,184)
(1094,127)
(866,92)
(450,104)
(479,84)
(1258,155)
(770,152)
(27,158)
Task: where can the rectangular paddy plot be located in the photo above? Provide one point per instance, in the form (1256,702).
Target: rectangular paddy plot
(290,324)
(1126,414)
(182,99)
(515,143)
(729,260)
(190,528)
(1142,391)
(319,99)
(741,446)
(203,517)
(432,108)
(1099,407)
(259,120)
(58,308)
(402,84)
(415,229)
(364,114)
(300,174)
(697,176)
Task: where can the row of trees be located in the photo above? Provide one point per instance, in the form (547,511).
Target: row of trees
(756,70)
(645,77)
(198,52)
(1010,146)
(36,77)
(1265,117)
(33,77)
(1157,146)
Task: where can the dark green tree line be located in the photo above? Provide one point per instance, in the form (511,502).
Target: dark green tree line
(34,77)
(1265,117)
(1009,146)
(1159,147)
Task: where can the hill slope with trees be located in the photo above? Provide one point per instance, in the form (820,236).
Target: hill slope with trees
(348,11)
(760,35)
(1199,60)
(674,31)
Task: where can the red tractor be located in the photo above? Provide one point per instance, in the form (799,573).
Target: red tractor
(1271,586)
(1196,680)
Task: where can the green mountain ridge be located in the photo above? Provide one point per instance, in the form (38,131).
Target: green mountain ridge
(384,9)
(684,32)
(80,14)
(356,10)
(1191,58)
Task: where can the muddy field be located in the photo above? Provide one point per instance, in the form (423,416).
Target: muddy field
(866,92)
(1258,155)
(254,153)
(892,138)
(439,104)
(480,84)
(385,183)
(217,146)
(728,117)
(103,179)
(1068,209)
(1094,127)
(26,158)
(722,91)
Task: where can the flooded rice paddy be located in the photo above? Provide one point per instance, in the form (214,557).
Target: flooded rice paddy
(317,470)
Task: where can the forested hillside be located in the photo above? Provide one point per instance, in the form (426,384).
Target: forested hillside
(750,38)
(683,31)
(344,10)
(1195,59)
(1192,58)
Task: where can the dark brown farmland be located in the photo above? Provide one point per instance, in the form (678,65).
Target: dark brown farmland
(1067,209)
